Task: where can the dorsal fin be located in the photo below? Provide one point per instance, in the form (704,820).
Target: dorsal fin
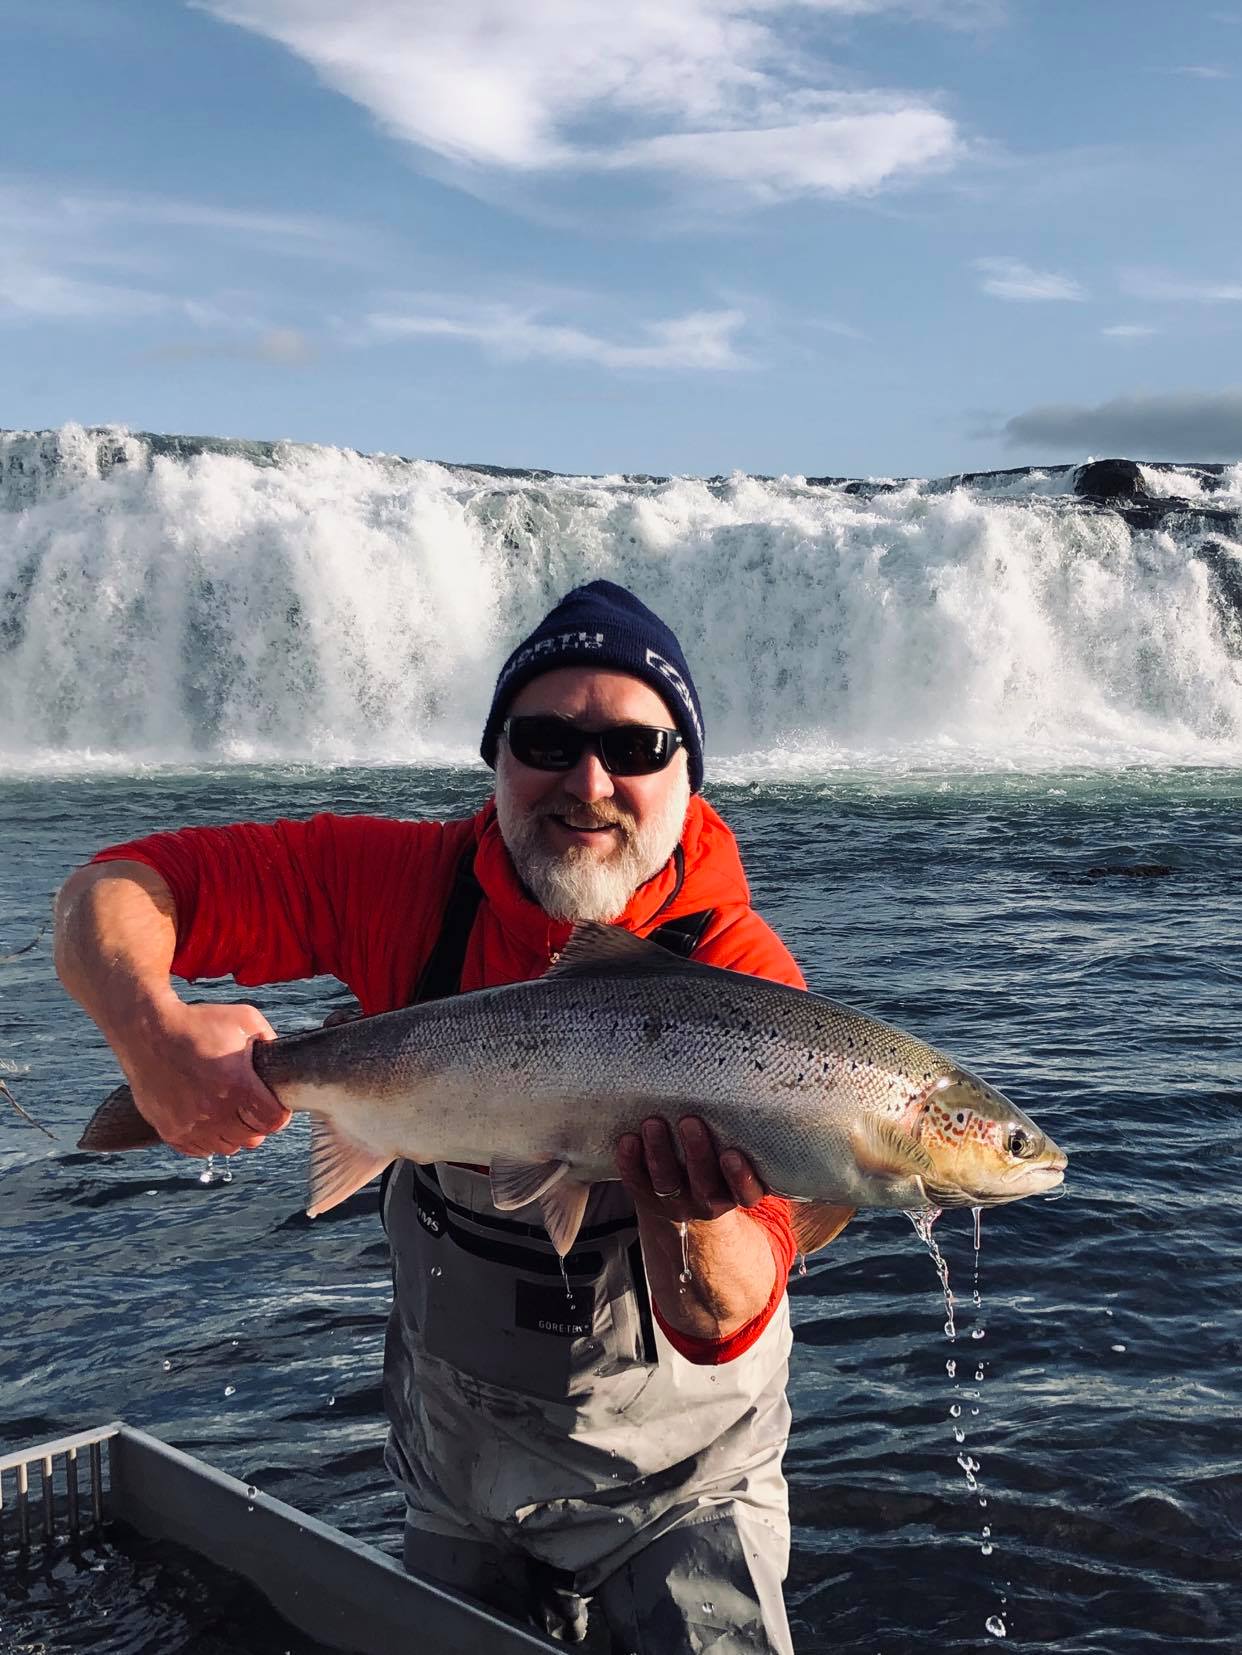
(596,950)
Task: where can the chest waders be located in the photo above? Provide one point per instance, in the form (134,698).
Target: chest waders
(540,1412)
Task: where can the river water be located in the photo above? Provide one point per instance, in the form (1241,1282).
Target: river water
(1097,1381)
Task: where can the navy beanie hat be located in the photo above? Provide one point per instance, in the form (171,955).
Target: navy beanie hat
(603,625)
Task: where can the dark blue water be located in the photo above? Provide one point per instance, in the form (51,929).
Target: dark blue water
(992,915)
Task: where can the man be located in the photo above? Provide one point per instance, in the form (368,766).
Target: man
(616,1434)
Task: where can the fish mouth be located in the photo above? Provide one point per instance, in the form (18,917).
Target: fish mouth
(1017,1182)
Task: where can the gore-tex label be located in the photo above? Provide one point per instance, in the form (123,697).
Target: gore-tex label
(565,1313)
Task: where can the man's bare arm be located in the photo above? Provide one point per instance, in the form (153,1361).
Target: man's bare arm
(188,1066)
(731,1266)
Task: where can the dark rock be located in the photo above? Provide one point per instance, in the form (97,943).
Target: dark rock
(1110,480)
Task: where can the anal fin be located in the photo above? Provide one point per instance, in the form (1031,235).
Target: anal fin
(338,1167)
(816,1223)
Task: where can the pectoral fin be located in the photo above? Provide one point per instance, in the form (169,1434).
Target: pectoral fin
(117,1125)
(338,1167)
(562,1200)
(516,1183)
(816,1223)
(883,1150)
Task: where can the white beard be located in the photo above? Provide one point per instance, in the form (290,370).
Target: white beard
(575,884)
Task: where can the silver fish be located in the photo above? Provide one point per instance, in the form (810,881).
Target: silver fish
(538,1080)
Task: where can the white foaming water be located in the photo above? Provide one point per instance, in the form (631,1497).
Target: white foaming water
(181,603)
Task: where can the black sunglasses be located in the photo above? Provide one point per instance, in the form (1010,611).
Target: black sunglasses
(545,743)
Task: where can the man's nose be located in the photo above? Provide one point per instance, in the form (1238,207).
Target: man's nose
(588,780)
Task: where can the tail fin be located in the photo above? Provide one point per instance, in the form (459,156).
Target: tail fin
(117,1125)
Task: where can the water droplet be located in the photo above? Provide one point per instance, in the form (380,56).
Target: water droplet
(802,1264)
(683,1230)
(252,1492)
(331,1402)
(958,1434)
(249,1508)
(436,1270)
(1117,1347)
(996,1626)
(978,1333)
(987,1532)
(974,1410)
(955,1410)
(230,1390)
(950,1368)
(226,1177)
(206,1175)
(152,1192)
(986,1548)
(707,1608)
(978,1373)
(167,1365)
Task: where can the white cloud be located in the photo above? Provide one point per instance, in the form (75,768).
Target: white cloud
(1148,284)
(28,289)
(1011,279)
(726,90)
(852,151)
(702,339)
(1129,330)
(1202,71)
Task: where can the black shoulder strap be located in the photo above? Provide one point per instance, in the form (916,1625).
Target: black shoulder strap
(442,973)
(683,935)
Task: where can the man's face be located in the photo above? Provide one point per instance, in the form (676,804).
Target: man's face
(584,841)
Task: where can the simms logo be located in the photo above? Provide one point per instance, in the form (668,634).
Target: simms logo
(551,646)
(666,669)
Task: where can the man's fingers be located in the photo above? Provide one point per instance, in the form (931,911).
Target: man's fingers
(263,1113)
(744,1184)
(664,1167)
(707,1187)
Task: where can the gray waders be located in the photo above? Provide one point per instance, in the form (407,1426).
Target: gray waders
(551,1445)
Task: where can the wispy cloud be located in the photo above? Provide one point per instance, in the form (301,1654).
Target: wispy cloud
(1151,284)
(1201,71)
(701,339)
(728,91)
(1011,279)
(1129,330)
(1180,425)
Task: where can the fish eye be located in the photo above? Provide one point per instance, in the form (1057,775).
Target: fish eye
(1019,1142)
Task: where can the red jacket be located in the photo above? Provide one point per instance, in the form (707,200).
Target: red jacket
(361,898)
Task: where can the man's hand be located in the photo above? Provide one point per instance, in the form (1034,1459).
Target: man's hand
(192,1077)
(720,1274)
(707,1186)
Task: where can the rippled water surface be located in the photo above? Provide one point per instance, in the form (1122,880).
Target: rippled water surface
(1097,1380)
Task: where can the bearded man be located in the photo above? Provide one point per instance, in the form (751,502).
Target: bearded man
(615,1435)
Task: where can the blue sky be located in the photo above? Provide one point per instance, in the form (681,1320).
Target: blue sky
(841,236)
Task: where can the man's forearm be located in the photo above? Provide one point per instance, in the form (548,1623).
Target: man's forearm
(116,933)
(731,1267)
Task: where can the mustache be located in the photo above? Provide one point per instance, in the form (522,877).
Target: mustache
(580,815)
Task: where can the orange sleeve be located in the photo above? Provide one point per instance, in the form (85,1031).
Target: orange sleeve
(773,1214)
(273,902)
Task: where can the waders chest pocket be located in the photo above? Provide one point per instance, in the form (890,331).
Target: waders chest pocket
(553,1309)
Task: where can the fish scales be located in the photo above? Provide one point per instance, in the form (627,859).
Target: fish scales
(831,1106)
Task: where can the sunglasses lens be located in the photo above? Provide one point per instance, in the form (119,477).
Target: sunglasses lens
(624,750)
(635,749)
(545,743)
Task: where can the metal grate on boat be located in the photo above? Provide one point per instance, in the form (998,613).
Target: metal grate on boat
(56,1491)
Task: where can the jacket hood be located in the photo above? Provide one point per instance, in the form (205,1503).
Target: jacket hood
(707,874)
